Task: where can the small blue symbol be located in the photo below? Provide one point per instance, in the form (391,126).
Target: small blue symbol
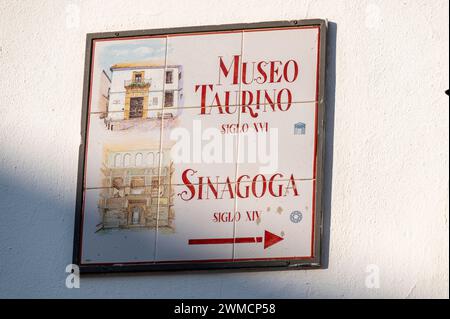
(296,216)
(299,128)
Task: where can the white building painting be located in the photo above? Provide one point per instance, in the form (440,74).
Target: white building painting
(143,91)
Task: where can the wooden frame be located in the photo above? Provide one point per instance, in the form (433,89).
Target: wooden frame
(314,262)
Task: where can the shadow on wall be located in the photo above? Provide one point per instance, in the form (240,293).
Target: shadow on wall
(36,241)
(36,230)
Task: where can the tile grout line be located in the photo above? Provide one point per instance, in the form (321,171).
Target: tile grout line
(212,106)
(236,172)
(161,131)
(220,183)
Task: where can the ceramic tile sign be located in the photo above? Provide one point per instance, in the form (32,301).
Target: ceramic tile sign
(202,148)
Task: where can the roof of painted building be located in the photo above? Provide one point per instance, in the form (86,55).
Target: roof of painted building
(141,64)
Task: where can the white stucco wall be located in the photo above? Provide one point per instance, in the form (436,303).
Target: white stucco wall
(388,146)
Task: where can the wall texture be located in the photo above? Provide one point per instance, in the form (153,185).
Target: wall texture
(388,147)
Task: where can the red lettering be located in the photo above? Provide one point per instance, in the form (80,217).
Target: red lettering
(225,71)
(286,68)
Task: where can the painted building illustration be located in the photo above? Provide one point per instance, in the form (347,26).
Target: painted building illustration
(103,94)
(142,91)
(132,186)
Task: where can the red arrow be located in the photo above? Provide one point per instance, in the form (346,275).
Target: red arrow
(269,240)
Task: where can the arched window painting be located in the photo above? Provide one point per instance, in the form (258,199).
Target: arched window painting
(127,160)
(118,160)
(138,159)
(150,159)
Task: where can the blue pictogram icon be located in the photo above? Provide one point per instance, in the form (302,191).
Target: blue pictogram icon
(296,216)
(299,128)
